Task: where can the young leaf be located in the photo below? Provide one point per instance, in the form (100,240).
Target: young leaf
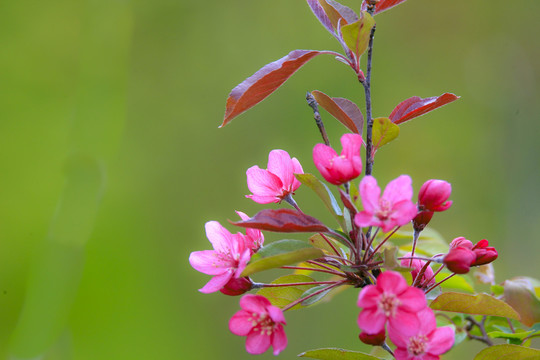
(382,5)
(265,81)
(356,35)
(312,300)
(319,242)
(481,304)
(518,293)
(416,106)
(384,131)
(336,354)
(280,253)
(508,352)
(345,111)
(345,12)
(282,296)
(324,193)
(283,220)
(320,13)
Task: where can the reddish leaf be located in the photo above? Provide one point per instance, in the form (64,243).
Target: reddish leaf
(319,12)
(382,5)
(416,106)
(346,13)
(342,109)
(265,81)
(283,220)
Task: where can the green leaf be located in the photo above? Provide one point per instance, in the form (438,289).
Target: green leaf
(384,131)
(324,194)
(508,352)
(283,296)
(356,35)
(518,292)
(316,298)
(336,354)
(481,304)
(505,335)
(497,290)
(457,282)
(280,253)
(320,243)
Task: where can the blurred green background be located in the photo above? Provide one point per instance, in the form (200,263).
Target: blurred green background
(112,161)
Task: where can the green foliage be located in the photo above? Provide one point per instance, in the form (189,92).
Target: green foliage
(508,352)
(283,296)
(481,304)
(384,131)
(336,354)
(519,294)
(356,35)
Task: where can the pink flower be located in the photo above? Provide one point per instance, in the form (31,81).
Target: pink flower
(434,194)
(417,266)
(340,169)
(426,343)
(394,208)
(261,322)
(226,261)
(254,237)
(275,183)
(484,253)
(392,301)
(459,260)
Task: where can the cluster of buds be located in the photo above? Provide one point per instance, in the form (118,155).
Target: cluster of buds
(463,254)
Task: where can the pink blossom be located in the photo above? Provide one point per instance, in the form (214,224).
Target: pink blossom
(394,208)
(275,183)
(390,300)
(340,169)
(484,253)
(261,322)
(226,261)
(417,265)
(434,194)
(254,237)
(459,259)
(426,343)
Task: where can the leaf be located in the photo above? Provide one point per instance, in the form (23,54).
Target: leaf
(416,106)
(319,242)
(283,296)
(312,300)
(265,81)
(505,335)
(356,35)
(282,220)
(508,352)
(519,294)
(345,111)
(320,14)
(336,354)
(280,253)
(457,282)
(384,131)
(347,14)
(382,5)
(481,304)
(324,193)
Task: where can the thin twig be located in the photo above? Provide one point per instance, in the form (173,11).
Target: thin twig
(326,288)
(313,269)
(367,91)
(484,338)
(313,105)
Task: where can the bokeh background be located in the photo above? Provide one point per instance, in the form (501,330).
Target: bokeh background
(111,160)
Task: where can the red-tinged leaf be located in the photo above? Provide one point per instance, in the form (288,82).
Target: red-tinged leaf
(416,106)
(346,13)
(382,5)
(345,111)
(265,81)
(384,131)
(356,35)
(283,220)
(481,304)
(319,12)
(519,293)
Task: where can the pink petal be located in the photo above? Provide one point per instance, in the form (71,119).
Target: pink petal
(276,314)
(392,282)
(386,225)
(363,218)
(351,145)
(412,299)
(404,322)
(242,215)
(343,170)
(240,324)
(280,164)
(441,340)
(401,353)
(263,183)
(398,190)
(264,199)
(216,283)
(254,303)
(242,262)
(399,339)
(209,262)
(369,297)
(370,193)
(371,321)
(427,320)
(219,237)
(257,342)
(403,212)
(297,169)
(279,339)
(322,158)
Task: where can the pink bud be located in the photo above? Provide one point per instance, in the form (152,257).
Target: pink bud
(484,253)
(459,260)
(339,169)
(461,242)
(434,194)
(237,286)
(373,339)
(422,219)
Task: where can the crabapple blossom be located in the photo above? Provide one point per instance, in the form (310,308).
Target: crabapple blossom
(434,194)
(276,182)
(459,260)
(237,286)
(261,322)
(426,343)
(390,300)
(254,237)
(463,254)
(373,339)
(484,253)
(226,261)
(339,169)
(417,265)
(393,208)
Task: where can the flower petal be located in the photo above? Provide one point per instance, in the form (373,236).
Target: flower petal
(219,237)
(216,283)
(412,299)
(371,321)
(441,340)
(392,282)
(209,262)
(369,297)
(403,212)
(370,193)
(279,339)
(276,314)
(404,322)
(297,169)
(351,144)
(240,324)
(280,164)
(263,183)
(257,342)
(363,219)
(255,303)
(398,190)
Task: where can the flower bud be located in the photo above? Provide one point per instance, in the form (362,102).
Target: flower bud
(461,242)
(422,219)
(339,169)
(484,253)
(459,260)
(237,286)
(434,194)
(373,339)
